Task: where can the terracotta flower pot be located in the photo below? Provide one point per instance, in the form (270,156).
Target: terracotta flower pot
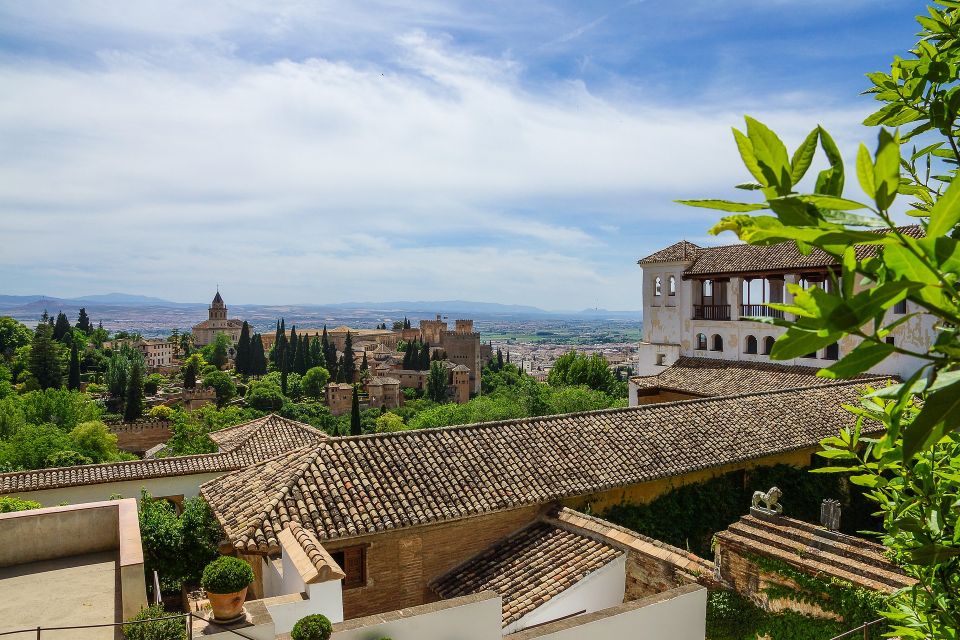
(227,606)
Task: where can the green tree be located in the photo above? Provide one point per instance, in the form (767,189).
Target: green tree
(117,372)
(277,349)
(13,335)
(265,396)
(191,369)
(83,322)
(62,327)
(73,379)
(45,365)
(578,369)
(32,444)
(242,360)
(133,405)
(437,383)
(222,384)
(258,360)
(301,356)
(151,384)
(218,351)
(389,422)
(93,440)
(913,469)
(290,352)
(355,424)
(349,364)
(315,382)
(423,361)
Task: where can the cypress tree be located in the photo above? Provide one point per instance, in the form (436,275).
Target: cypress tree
(133,407)
(349,364)
(364,366)
(406,355)
(258,361)
(62,328)
(73,380)
(423,363)
(340,370)
(44,359)
(290,351)
(317,359)
(300,357)
(242,362)
(83,322)
(275,352)
(355,429)
(284,371)
(499,359)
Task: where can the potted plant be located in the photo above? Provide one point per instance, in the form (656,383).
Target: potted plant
(225,581)
(315,627)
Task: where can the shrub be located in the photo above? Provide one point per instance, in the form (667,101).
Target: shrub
(161,412)
(265,396)
(172,629)
(315,627)
(67,458)
(8,504)
(226,575)
(152,383)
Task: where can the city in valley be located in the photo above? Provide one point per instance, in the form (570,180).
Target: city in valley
(476,321)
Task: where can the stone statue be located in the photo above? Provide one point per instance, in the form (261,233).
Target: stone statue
(771,500)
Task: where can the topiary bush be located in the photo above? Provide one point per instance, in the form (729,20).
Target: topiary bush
(226,574)
(315,627)
(172,629)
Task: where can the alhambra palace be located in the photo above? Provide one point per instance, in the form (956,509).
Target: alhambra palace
(490,530)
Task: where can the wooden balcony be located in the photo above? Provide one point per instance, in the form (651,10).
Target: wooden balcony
(711,312)
(760,311)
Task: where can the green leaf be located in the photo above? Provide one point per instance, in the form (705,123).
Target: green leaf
(865,172)
(833,202)
(830,181)
(946,212)
(803,156)
(940,415)
(797,342)
(771,155)
(886,170)
(749,186)
(932,553)
(749,156)
(866,355)
(904,265)
(723,205)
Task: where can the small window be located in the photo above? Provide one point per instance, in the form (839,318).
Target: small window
(701,342)
(657,286)
(661,359)
(708,288)
(751,346)
(768,345)
(890,340)
(900,308)
(672,286)
(832,352)
(353,561)
(717,342)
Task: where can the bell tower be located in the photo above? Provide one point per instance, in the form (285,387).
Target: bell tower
(217,310)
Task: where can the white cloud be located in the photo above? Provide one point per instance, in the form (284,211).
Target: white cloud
(162,170)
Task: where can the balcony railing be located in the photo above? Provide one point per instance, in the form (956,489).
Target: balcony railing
(711,312)
(760,311)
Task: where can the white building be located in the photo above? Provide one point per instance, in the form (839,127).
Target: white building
(695,299)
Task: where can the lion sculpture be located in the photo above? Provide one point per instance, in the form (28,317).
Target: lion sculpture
(770,499)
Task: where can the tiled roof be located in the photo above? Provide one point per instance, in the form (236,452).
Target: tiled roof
(815,550)
(678,252)
(241,446)
(359,485)
(529,568)
(381,380)
(309,557)
(742,258)
(714,377)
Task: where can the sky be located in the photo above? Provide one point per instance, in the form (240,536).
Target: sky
(313,152)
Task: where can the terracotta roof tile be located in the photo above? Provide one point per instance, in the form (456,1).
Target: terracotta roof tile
(682,251)
(714,377)
(241,446)
(346,487)
(528,569)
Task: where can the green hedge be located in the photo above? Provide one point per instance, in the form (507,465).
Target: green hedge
(688,516)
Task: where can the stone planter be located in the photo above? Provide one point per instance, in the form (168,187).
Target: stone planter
(227,606)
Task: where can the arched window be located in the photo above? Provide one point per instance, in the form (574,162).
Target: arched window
(832,352)
(717,342)
(657,286)
(701,342)
(751,346)
(768,345)
(708,288)
(672,286)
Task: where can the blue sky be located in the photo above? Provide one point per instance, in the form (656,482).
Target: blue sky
(517,152)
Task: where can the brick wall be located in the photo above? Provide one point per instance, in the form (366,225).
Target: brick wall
(140,436)
(401,564)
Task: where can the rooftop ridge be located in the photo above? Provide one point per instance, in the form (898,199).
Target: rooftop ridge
(610,411)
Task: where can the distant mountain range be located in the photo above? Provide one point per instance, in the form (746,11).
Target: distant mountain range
(445,307)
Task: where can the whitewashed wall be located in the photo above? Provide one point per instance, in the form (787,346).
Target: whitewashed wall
(186,486)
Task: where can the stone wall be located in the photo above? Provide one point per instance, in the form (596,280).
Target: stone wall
(139,436)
